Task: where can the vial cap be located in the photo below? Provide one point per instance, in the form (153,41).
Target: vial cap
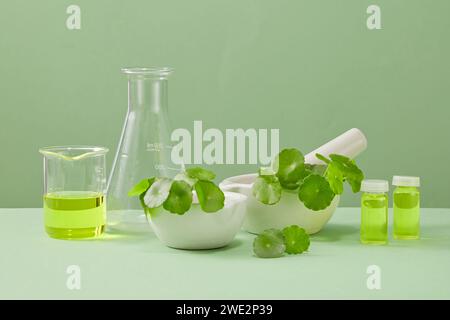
(377,186)
(405,181)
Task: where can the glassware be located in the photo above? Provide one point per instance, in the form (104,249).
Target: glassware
(144,148)
(74,188)
(374,212)
(406,207)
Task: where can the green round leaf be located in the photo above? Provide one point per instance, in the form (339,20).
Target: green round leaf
(141,200)
(200,174)
(316,168)
(141,187)
(350,171)
(289,165)
(269,244)
(157,193)
(315,192)
(323,158)
(267,189)
(180,198)
(266,171)
(296,239)
(335,178)
(182,176)
(210,197)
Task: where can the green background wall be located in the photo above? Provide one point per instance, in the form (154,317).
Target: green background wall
(310,68)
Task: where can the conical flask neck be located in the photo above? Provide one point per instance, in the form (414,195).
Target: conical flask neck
(148,93)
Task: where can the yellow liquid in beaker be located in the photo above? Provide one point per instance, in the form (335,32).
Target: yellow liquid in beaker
(74,214)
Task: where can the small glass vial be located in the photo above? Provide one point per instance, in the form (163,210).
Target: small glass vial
(406,207)
(374,212)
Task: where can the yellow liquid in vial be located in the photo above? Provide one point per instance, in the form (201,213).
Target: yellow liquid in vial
(374,218)
(406,213)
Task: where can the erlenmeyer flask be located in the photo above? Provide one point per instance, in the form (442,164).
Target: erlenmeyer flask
(144,148)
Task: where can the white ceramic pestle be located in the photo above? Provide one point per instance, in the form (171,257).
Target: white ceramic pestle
(289,210)
(350,144)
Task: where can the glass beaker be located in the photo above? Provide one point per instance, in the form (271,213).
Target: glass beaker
(74,189)
(144,148)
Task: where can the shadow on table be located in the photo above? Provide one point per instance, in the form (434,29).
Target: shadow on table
(336,232)
(233,245)
(431,237)
(123,237)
